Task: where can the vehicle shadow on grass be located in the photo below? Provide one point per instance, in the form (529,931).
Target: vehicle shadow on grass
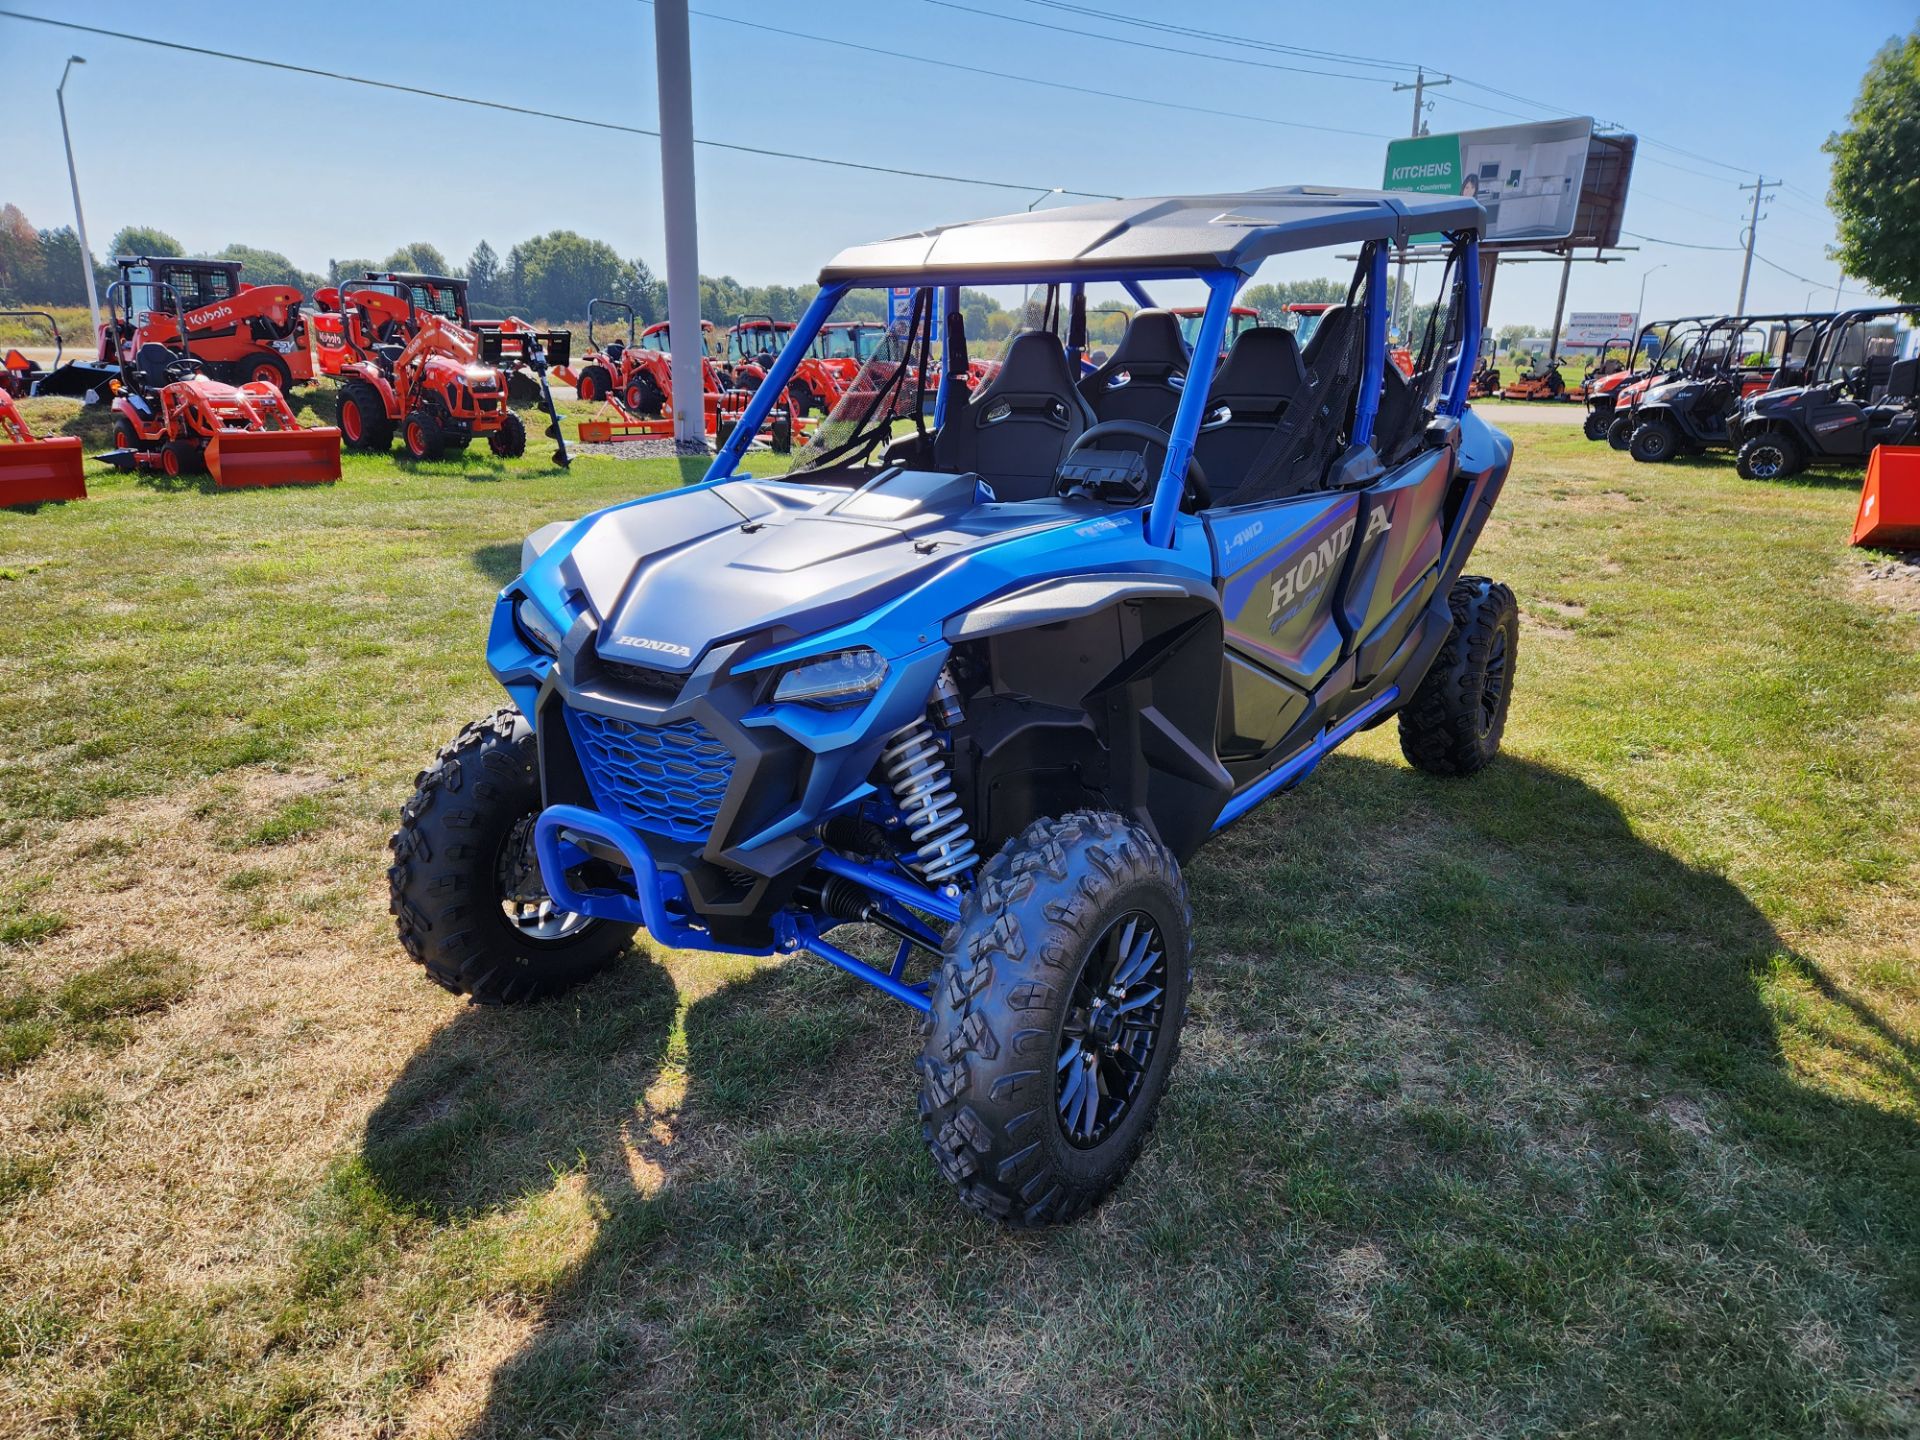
(1387,966)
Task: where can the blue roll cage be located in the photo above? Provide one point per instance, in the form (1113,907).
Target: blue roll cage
(1223,286)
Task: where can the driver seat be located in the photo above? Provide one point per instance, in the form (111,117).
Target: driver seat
(152,362)
(1017,429)
(1144,377)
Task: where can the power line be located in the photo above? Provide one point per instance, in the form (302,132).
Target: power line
(895,55)
(1195,33)
(1150,45)
(1805,280)
(1677,244)
(347,79)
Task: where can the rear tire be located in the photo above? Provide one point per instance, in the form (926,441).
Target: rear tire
(596,383)
(1770,455)
(509,442)
(466,906)
(1069,968)
(800,400)
(1454,722)
(124,437)
(362,416)
(422,436)
(1620,432)
(1654,442)
(269,367)
(1597,423)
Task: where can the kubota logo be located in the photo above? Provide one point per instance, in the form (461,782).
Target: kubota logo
(209,315)
(662,647)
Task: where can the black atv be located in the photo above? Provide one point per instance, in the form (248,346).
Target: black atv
(1859,396)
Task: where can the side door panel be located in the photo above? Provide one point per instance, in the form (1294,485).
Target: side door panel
(1396,559)
(1281,564)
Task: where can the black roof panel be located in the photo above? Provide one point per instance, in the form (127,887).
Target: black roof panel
(1228,231)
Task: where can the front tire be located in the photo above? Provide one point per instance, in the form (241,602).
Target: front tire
(1597,424)
(645,398)
(509,442)
(596,383)
(1654,442)
(465,890)
(1770,455)
(1454,722)
(1056,1018)
(422,436)
(363,418)
(272,369)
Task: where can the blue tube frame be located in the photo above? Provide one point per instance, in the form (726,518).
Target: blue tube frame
(1299,765)
(784,364)
(1470,333)
(1221,288)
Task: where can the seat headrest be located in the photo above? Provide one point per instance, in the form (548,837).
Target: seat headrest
(1264,363)
(1034,360)
(1152,338)
(1332,331)
(1903,381)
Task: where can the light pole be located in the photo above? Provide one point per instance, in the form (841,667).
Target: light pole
(1026,291)
(1639,308)
(79,219)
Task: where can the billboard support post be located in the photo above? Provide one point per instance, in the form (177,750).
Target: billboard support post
(1560,310)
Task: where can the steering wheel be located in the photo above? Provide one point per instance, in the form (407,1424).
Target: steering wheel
(1194,494)
(185,368)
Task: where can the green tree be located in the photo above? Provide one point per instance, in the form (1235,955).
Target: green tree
(63,279)
(483,274)
(1875,189)
(20,266)
(552,277)
(419,258)
(338,270)
(269,267)
(143,240)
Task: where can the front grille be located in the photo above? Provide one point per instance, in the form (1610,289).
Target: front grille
(655,684)
(668,779)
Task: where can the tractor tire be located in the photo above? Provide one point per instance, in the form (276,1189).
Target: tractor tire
(801,400)
(1654,442)
(1771,455)
(1597,423)
(422,436)
(1056,1018)
(269,367)
(464,888)
(123,436)
(1620,432)
(509,442)
(644,398)
(363,418)
(596,383)
(180,457)
(1453,724)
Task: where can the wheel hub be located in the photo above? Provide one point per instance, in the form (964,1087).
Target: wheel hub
(1112,1030)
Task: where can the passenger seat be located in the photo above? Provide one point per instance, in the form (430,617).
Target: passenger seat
(1261,377)
(1144,377)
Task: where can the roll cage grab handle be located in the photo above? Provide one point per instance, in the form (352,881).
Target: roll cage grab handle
(1222,287)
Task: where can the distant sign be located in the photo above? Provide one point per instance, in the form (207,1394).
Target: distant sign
(900,308)
(1587,329)
(1533,179)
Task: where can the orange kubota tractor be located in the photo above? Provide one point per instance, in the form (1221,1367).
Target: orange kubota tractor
(446,296)
(239,333)
(169,416)
(419,373)
(32,470)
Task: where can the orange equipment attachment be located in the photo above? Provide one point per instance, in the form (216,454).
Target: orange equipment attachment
(34,470)
(1889,517)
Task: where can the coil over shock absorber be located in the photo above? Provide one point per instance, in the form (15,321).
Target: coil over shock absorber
(916,768)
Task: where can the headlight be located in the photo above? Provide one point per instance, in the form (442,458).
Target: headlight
(846,677)
(535,625)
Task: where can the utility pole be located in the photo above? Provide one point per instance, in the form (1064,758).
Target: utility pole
(73,177)
(673,63)
(1753,226)
(1419,89)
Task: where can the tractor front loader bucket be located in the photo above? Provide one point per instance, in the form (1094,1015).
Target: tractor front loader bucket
(238,458)
(36,470)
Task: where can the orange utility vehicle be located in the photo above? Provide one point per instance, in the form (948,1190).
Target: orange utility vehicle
(171,417)
(19,374)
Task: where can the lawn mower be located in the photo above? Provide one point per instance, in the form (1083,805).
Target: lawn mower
(1542,382)
(1739,356)
(1857,396)
(976,678)
(420,372)
(19,375)
(169,417)
(32,469)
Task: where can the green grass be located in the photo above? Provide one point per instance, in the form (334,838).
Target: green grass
(1580,1096)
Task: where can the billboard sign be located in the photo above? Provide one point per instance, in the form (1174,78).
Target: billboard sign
(1590,329)
(1532,179)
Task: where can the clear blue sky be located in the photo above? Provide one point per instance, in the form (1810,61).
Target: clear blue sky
(320,170)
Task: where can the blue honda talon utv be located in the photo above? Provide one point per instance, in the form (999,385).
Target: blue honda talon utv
(984,670)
